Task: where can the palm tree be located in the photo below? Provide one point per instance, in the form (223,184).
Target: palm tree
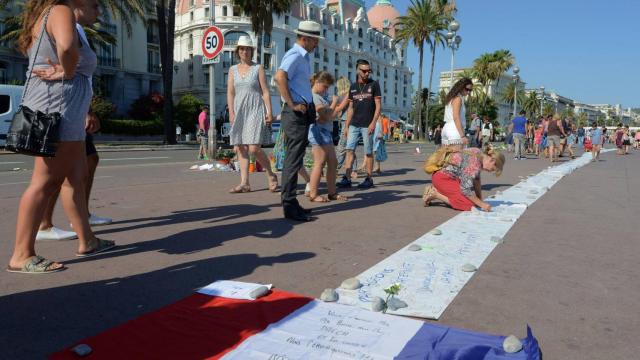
(419,26)
(531,103)
(482,67)
(547,109)
(261,13)
(166,13)
(582,119)
(510,94)
(503,60)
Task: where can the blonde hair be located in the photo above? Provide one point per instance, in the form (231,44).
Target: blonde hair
(343,86)
(497,156)
(32,13)
(322,77)
(440,157)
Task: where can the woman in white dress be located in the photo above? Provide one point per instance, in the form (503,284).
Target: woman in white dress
(249,114)
(453,130)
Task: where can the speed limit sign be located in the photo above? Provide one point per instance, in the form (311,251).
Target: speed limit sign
(212,42)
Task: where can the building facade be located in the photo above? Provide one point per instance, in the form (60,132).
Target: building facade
(126,70)
(349,34)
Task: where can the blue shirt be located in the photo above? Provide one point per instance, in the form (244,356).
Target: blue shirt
(297,64)
(596,136)
(519,125)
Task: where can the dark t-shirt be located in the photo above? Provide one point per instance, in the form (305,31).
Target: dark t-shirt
(364,107)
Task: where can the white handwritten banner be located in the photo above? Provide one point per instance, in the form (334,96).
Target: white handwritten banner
(431,278)
(329,331)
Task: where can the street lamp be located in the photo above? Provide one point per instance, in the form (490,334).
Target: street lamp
(516,70)
(453,41)
(541,99)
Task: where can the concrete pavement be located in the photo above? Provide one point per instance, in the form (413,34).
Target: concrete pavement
(565,268)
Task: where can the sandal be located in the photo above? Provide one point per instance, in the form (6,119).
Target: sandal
(428,195)
(103,245)
(240,189)
(307,190)
(337,197)
(36,265)
(273,183)
(318,198)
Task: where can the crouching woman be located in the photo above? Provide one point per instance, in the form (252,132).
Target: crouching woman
(456,176)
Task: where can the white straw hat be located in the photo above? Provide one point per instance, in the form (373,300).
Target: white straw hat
(309,28)
(245,41)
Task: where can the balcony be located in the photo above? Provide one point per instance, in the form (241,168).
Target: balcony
(108,61)
(154,68)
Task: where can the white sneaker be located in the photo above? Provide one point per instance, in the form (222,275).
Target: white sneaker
(97,220)
(55,234)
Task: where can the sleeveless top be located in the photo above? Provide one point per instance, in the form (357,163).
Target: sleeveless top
(448,112)
(249,127)
(553,129)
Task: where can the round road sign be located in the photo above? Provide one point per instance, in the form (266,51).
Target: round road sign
(212,42)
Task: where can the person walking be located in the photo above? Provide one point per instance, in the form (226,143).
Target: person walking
(518,129)
(454,114)
(597,140)
(571,140)
(298,112)
(321,138)
(203,132)
(250,114)
(626,139)
(487,131)
(554,131)
(62,66)
(475,129)
(437,136)
(365,105)
(456,176)
(581,134)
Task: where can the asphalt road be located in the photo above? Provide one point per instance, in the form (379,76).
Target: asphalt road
(568,267)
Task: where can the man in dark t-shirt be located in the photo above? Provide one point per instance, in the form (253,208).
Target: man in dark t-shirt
(362,115)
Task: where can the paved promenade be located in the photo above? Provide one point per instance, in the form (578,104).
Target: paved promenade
(568,267)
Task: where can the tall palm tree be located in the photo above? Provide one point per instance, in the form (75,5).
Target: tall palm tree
(261,13)
(503,60)
(482,68)
(418,26)
(166,13)
(510,94)
(531,103)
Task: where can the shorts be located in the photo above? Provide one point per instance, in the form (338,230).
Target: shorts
(450,187)
(626,142)
(553,140)
(319,136)
(450,134)
(89,145)
(354,135)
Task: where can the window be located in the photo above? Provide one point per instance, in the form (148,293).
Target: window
(324,33)
(337,59)
(349,75)
(286,19)
(266,40)
(324,68)
(206,12)
(359,32)
(192,3)
(287,44)
(237,11)
(190,43)
(335,37)
(267,61)
(335,74)
(224,11)
(191,15)
(325,56)
(316,67)
(316,53)
(231,37)
(5,104)
(359,45)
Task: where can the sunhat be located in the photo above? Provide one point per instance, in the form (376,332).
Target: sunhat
(245,41)
(309,28)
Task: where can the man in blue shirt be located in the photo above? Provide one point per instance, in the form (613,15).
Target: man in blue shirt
(297,114)
(519,129)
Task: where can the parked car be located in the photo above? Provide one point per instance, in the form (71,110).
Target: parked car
(10,98)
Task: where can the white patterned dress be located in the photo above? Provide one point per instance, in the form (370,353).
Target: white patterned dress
(249,127)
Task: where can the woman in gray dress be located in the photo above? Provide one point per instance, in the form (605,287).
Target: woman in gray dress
(62,68)
(249,113)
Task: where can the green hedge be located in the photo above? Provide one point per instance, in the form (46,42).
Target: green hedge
(132,127)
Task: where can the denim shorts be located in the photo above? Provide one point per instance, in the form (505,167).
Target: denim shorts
(320,136)
(355,133)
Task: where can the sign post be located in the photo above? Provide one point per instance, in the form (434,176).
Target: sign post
(212,43)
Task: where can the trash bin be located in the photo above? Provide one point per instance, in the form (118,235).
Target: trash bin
(187,137)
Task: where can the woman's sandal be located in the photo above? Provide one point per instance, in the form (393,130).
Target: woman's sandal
(240,189)
(428,195)
(307,190)
(36,265)
(318,198)
(103,245)
(273,183)
(337,197)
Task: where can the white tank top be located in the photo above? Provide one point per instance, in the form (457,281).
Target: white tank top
(448,113)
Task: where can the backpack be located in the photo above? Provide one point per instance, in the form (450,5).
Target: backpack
(440,158)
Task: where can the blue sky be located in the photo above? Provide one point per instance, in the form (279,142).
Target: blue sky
(587,50)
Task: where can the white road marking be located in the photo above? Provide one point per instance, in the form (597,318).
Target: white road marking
(11,162)
(140,158)
(27,182)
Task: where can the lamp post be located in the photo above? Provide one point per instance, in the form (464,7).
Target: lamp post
(453,41)
(516,70)
(541,99)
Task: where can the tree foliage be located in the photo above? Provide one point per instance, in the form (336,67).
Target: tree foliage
(186,112)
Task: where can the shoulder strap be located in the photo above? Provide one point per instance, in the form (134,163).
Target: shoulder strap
(35,56)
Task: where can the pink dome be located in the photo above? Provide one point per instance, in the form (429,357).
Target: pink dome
(383,15)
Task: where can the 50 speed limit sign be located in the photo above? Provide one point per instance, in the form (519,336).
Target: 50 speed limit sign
(212,42)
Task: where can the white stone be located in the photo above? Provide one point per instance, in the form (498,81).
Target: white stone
(351,284)
(258,292)
(377,304)
(436,232)
(497,239)
(329,295)
(512,344)
(414,247)
(533,191)
(82,349)
(469,268)
(395,304)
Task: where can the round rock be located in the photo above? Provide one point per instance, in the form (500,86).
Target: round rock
(395,304)
(351,284)
(497,239)
(414,247)
(436,232)
(533,191)
(512,344)
(82,349)
(377,304)
(469,268)
(329,295)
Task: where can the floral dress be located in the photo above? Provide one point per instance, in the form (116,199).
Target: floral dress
(466,167)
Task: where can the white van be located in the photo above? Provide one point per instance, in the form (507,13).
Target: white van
(10,97)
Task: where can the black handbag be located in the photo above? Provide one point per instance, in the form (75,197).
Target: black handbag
(34,133)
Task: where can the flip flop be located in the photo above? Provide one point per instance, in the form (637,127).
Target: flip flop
(318,198)
(36,265)
(103,245)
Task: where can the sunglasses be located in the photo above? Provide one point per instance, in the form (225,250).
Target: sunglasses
(366,71)
(468,89)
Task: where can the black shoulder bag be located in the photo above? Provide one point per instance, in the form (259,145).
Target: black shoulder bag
(34,133)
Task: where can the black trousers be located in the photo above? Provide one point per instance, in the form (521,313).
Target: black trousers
(296,131)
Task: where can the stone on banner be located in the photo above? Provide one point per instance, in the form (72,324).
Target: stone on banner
(82,350)
(395,304)
(377,304)
(329,295)
(497,239)
(469,268)
(436,232)
(512,344)
(414,247)
(351,284)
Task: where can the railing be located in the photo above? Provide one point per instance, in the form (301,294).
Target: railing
(108,61)
(231,42)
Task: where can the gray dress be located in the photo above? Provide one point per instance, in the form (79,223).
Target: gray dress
(71,97)
(249,127)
